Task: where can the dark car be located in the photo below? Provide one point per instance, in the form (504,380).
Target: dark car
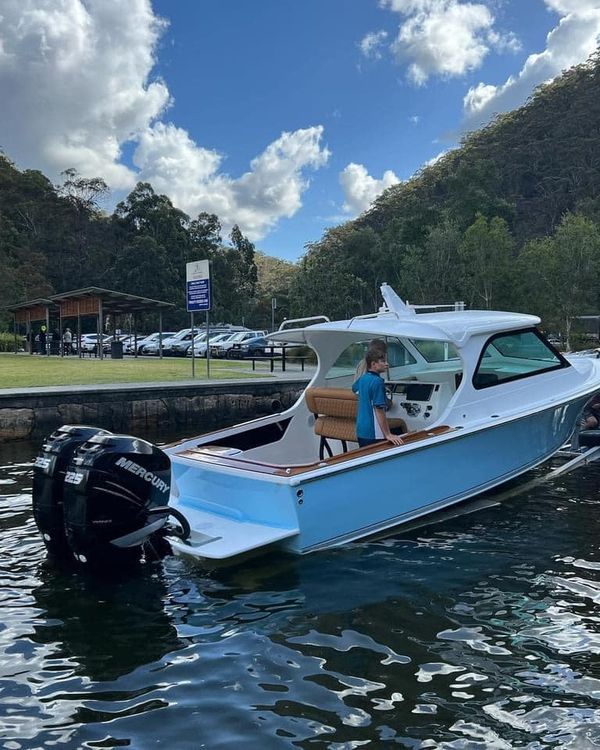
(256,347)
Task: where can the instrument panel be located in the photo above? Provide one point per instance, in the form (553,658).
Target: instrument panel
(416,402)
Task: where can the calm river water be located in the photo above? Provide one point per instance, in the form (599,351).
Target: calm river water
(480,631)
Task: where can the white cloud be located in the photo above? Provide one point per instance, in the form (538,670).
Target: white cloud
(76,83)
(175,165)
(508,42)
(573,40)
(563,7)
(445,37)
(371,44)
(436,158)
(360,189)
(478,96)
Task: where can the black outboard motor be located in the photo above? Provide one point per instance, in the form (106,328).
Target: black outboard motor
(49,471)
(116,494)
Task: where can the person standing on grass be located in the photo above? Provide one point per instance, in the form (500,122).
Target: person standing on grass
(68,341)
(42,340)
(371,421)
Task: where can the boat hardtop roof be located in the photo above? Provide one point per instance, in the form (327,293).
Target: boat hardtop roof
(454,327)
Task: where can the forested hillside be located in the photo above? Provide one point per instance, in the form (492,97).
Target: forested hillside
(54,239)
(511,219)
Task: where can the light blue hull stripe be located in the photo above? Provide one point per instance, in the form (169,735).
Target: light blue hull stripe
(358,501)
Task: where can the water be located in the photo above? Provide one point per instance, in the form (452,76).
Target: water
(481,631)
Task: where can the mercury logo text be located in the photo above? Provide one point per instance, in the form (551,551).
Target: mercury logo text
(140,471)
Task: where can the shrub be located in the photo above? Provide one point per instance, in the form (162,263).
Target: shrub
(7,342)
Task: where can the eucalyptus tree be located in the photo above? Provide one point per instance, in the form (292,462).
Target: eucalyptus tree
(564,272)
(486,254)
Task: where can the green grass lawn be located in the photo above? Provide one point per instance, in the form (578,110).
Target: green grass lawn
(24,370)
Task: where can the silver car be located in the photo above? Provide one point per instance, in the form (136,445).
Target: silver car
(168,341)
(144,341)
(200,347)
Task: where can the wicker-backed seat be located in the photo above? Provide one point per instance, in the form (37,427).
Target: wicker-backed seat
(335,416)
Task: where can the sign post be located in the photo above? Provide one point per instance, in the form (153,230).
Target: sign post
(273,308)
(197,278)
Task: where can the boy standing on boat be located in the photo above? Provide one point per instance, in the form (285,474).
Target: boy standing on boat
(376,345)
(371,421)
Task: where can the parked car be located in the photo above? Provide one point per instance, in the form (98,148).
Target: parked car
(200,347)
(179,347)
(89,342)
(184,345)
(125,339)
(151,343)
(256,347)
(168,341)
(222,348)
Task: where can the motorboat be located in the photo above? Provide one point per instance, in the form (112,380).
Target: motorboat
(480,397)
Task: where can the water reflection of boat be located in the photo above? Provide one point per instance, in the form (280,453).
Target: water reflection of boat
(480,396)
(107,627)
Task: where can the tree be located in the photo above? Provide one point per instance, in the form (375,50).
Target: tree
(146,219)
(205,236)
(323,285)
(82,192)
(430,273)
(275,277)
(486,252)
(564,272)
(143,269)
(247,265)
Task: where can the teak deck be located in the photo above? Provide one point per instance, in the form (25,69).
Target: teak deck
(214,455)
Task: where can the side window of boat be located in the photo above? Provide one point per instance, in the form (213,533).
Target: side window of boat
(348,361)
(435,351)
(398,357)
(509,356)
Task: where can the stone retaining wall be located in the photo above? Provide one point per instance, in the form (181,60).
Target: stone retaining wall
(142,408)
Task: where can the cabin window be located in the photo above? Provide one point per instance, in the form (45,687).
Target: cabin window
(349,359)
(435,351)
(509,356)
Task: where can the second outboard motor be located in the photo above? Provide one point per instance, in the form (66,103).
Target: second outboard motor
(49,471)
(116,494)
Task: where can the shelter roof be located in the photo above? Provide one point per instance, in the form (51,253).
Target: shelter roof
(115,302)
(39,302)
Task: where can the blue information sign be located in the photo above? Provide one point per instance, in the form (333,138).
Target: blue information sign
(198,286)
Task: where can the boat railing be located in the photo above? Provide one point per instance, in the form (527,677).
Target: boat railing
(294,321)
(378,314)
(458,306)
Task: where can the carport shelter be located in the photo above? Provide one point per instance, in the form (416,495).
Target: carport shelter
(89,302)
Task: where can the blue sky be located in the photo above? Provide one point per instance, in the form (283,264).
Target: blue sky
(284,117)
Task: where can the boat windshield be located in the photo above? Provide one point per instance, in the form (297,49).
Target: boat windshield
(508,356)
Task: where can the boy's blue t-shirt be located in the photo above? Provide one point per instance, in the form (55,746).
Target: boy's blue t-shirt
(370,388)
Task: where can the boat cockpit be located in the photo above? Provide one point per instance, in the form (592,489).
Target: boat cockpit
(422,378)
